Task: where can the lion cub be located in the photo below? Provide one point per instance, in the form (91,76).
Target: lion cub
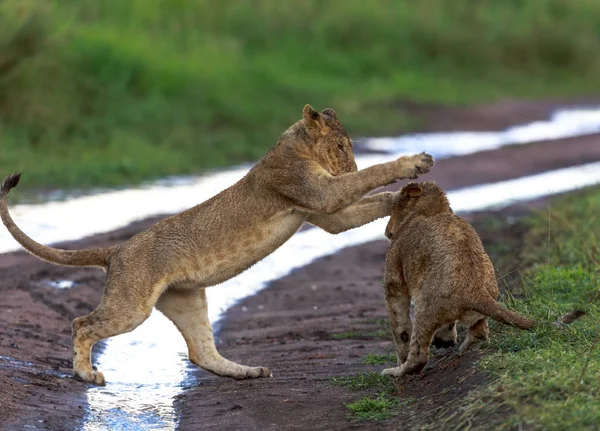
(437,259)
(308,176)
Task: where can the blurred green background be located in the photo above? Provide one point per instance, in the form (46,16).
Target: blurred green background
(118,91)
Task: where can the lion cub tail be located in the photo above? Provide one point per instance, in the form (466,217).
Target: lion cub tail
(92,257)
(493,309)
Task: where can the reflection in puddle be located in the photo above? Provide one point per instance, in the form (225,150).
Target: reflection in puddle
(8,362)
(62,284)
(146,369)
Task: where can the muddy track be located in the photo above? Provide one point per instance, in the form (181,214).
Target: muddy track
(288,326)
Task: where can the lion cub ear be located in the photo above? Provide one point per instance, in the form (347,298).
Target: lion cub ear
(413,190)
(330,113)
(313,119)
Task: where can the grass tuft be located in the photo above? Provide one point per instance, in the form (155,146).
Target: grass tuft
(361,335)
(379,408)
(377,359)
(369,380)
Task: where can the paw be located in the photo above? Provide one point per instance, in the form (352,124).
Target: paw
(423,163)
(94,377)
(254,373)
(463,347)
(409,367)
(394,372)
(468,343)
(471,340)
(264,372)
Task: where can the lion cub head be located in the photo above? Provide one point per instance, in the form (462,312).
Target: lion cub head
(416,199)
(319,136)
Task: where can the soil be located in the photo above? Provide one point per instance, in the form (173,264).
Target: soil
(289,326)
(493,116)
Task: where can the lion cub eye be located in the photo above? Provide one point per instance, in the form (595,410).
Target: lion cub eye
(341,146)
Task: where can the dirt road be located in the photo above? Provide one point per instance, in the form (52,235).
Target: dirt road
(289,326)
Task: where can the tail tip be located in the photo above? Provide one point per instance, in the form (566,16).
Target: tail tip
(10,182)
(572,316)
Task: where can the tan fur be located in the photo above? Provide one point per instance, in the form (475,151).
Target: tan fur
(437,259)
(308,176)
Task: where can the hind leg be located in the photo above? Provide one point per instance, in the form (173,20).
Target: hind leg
(397,303)
(424,327)
(187,309)
(478,329)
(115,315)
(445,336)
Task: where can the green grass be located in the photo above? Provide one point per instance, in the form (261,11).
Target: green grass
(116,92)
(371,380)
(565,233)
(377,359)
(550,376)
(361,335)
(378,321)
(379,408)
(384,406)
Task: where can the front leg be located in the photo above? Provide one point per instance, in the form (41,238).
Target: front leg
(312,189)
(364,211)
(397,302)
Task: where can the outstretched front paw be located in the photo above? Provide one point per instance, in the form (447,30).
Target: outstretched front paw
(413,166)
(422,164)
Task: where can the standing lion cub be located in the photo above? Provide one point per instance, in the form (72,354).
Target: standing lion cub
(437,259)
(308,176)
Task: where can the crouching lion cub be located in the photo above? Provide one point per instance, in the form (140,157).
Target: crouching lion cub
(309,176)
(437,259)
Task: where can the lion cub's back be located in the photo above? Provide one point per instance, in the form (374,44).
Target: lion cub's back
(448,252)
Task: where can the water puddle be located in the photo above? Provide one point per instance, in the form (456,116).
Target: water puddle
(562,124)
(62,284)
(147,368)
(8,362)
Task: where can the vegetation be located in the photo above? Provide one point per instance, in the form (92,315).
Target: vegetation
(376,359)
(385,405)
(361,335)
(546,379)
(379,408)
(115,92)
(371,380)
(549,377)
